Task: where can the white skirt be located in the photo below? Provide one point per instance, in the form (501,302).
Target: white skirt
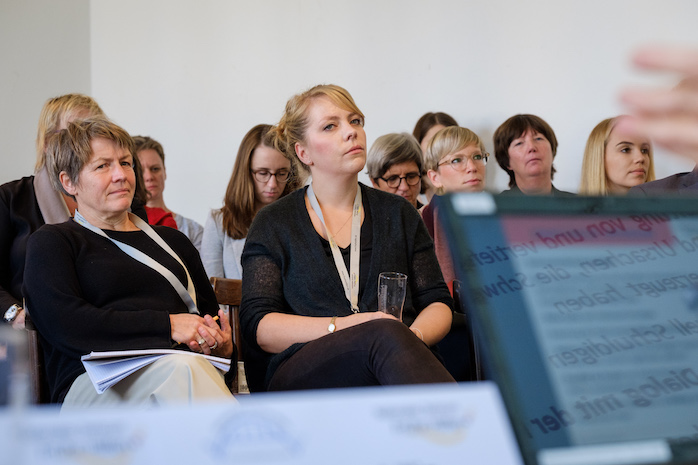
(173,379)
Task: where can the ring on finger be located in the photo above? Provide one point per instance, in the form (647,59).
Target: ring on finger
(214,346)
(201,341)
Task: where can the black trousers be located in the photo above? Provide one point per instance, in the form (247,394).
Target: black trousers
(378,352)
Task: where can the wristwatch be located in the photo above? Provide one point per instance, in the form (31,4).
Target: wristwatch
(12,313)
(332,327)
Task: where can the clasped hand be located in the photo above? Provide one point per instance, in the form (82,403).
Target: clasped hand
(203,334)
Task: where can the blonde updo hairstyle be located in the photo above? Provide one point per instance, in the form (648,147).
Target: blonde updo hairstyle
(594,179)
(56,113)
(293,125)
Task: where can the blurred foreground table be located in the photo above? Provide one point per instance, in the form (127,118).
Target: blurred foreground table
(431,424)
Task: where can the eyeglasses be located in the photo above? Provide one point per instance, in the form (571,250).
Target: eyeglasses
(412,179)
(459,163)
(263,176)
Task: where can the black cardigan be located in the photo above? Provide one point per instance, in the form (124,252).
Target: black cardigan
(286,267)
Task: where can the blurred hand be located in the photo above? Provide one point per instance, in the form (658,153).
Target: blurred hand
(667,116)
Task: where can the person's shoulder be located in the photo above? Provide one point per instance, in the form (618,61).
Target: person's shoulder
(283,207)
(385,199)
(192,229)
(214,220)
(68,230)
(428,214)
(385,205)
(176,239)
(673,182)
(428,209)
(169,233)
(511,191)
(17,186)
(558,193)
(184,222)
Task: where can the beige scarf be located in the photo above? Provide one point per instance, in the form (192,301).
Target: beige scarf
(51,203)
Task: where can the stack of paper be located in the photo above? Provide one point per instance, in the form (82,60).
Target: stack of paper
(108,368)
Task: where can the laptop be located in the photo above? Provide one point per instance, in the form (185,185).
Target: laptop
(586,313)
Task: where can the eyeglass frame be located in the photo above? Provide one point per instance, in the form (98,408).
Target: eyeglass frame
(418,177)
(450,163)
(270,174)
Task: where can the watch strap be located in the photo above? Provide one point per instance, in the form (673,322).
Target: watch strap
(11,313)
(332,327)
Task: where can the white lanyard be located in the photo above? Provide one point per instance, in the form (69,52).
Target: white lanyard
(350,282)
(187,295)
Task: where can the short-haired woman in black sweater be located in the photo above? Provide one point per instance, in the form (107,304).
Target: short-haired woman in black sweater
(108,281)
(311,320)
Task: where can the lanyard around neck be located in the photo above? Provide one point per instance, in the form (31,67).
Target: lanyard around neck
(187,295)
(350,279)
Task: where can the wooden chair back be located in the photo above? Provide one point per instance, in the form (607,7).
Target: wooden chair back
(229,292)
(38,385)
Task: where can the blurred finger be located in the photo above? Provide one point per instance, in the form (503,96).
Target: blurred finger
(660,102)
(668,58)
(677,135)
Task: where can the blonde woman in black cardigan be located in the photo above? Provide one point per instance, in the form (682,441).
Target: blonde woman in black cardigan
(311,264)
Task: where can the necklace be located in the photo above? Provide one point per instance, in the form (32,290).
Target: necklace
(345,223)
(350,277)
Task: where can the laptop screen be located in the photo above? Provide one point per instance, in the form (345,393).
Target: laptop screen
(587,311)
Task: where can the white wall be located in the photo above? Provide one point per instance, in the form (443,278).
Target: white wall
(44,52)
(198,75)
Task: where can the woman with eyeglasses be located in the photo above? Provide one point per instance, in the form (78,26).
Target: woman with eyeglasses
(455,161)
(260,176)
(426,128)
(394,165)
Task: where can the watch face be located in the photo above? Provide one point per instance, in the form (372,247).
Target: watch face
(11,313)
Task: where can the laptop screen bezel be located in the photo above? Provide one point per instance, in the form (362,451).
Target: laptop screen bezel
(484,205)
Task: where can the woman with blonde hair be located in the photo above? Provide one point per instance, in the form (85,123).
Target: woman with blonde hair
(615,160)
(424,130)
(28,203)
(455,161)
(261,175)
(312,260)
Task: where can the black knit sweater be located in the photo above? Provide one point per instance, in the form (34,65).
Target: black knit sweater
(84,294)
(287,266)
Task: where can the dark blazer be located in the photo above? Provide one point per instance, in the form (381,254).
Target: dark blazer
(19,218)
(686,183)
